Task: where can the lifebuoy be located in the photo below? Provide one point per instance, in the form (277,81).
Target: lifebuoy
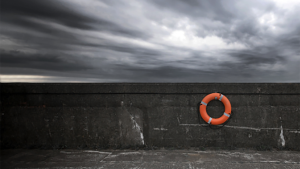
(206,117)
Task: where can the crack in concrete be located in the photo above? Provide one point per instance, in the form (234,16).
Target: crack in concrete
(246,128)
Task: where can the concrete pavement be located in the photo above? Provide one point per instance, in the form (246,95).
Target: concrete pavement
(114,159)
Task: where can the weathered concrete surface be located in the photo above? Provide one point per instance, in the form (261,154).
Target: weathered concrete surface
(265,116)
(189,159)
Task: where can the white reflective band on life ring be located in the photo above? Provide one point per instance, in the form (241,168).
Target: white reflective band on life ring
(204,103)
(221,97)
(209,120)
(226,114)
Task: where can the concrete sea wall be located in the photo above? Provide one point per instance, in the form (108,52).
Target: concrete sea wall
(123,115)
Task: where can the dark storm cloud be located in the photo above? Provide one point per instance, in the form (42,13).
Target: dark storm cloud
(151,41)
(58,62)
(22,13)
(39,35)
(252,57)
(137,51)
(109,27)
(48,10)
(29,24)
(198,9)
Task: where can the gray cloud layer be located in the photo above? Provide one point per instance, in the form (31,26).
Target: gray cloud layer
(150,41)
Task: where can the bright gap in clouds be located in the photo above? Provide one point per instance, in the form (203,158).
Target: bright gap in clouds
(23,78)
(209,43)
(290,4)
(47,79)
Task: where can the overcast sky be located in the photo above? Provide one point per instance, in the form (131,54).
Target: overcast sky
(150,41)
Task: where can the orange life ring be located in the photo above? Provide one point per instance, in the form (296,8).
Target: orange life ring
(206,117)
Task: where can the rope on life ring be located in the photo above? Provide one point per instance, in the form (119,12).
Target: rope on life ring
(204,103)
